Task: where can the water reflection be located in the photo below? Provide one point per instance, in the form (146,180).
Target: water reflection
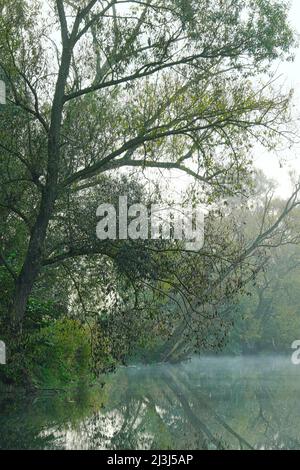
(208,403)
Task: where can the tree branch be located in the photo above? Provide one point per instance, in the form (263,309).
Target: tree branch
(63,21)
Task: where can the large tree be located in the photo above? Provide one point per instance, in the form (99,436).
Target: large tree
(95,86)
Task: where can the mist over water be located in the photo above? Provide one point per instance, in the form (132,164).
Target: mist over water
(205,403)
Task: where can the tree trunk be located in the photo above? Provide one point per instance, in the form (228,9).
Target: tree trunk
(32,263)
(34,256)
(171,345)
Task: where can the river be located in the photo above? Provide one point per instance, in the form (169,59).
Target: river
(204,403)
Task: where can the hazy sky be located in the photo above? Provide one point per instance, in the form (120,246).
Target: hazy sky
(290,72)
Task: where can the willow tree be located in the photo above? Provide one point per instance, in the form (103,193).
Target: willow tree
(95,86)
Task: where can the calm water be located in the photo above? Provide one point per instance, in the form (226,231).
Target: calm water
(207,403)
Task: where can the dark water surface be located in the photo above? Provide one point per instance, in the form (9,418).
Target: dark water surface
(206,403)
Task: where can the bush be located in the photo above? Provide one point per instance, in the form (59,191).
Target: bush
(61,353)
(56,355)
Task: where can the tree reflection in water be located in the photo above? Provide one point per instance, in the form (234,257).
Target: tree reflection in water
(208,403)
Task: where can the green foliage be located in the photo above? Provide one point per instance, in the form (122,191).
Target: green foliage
(168,85)
(51,352)
(61,353)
